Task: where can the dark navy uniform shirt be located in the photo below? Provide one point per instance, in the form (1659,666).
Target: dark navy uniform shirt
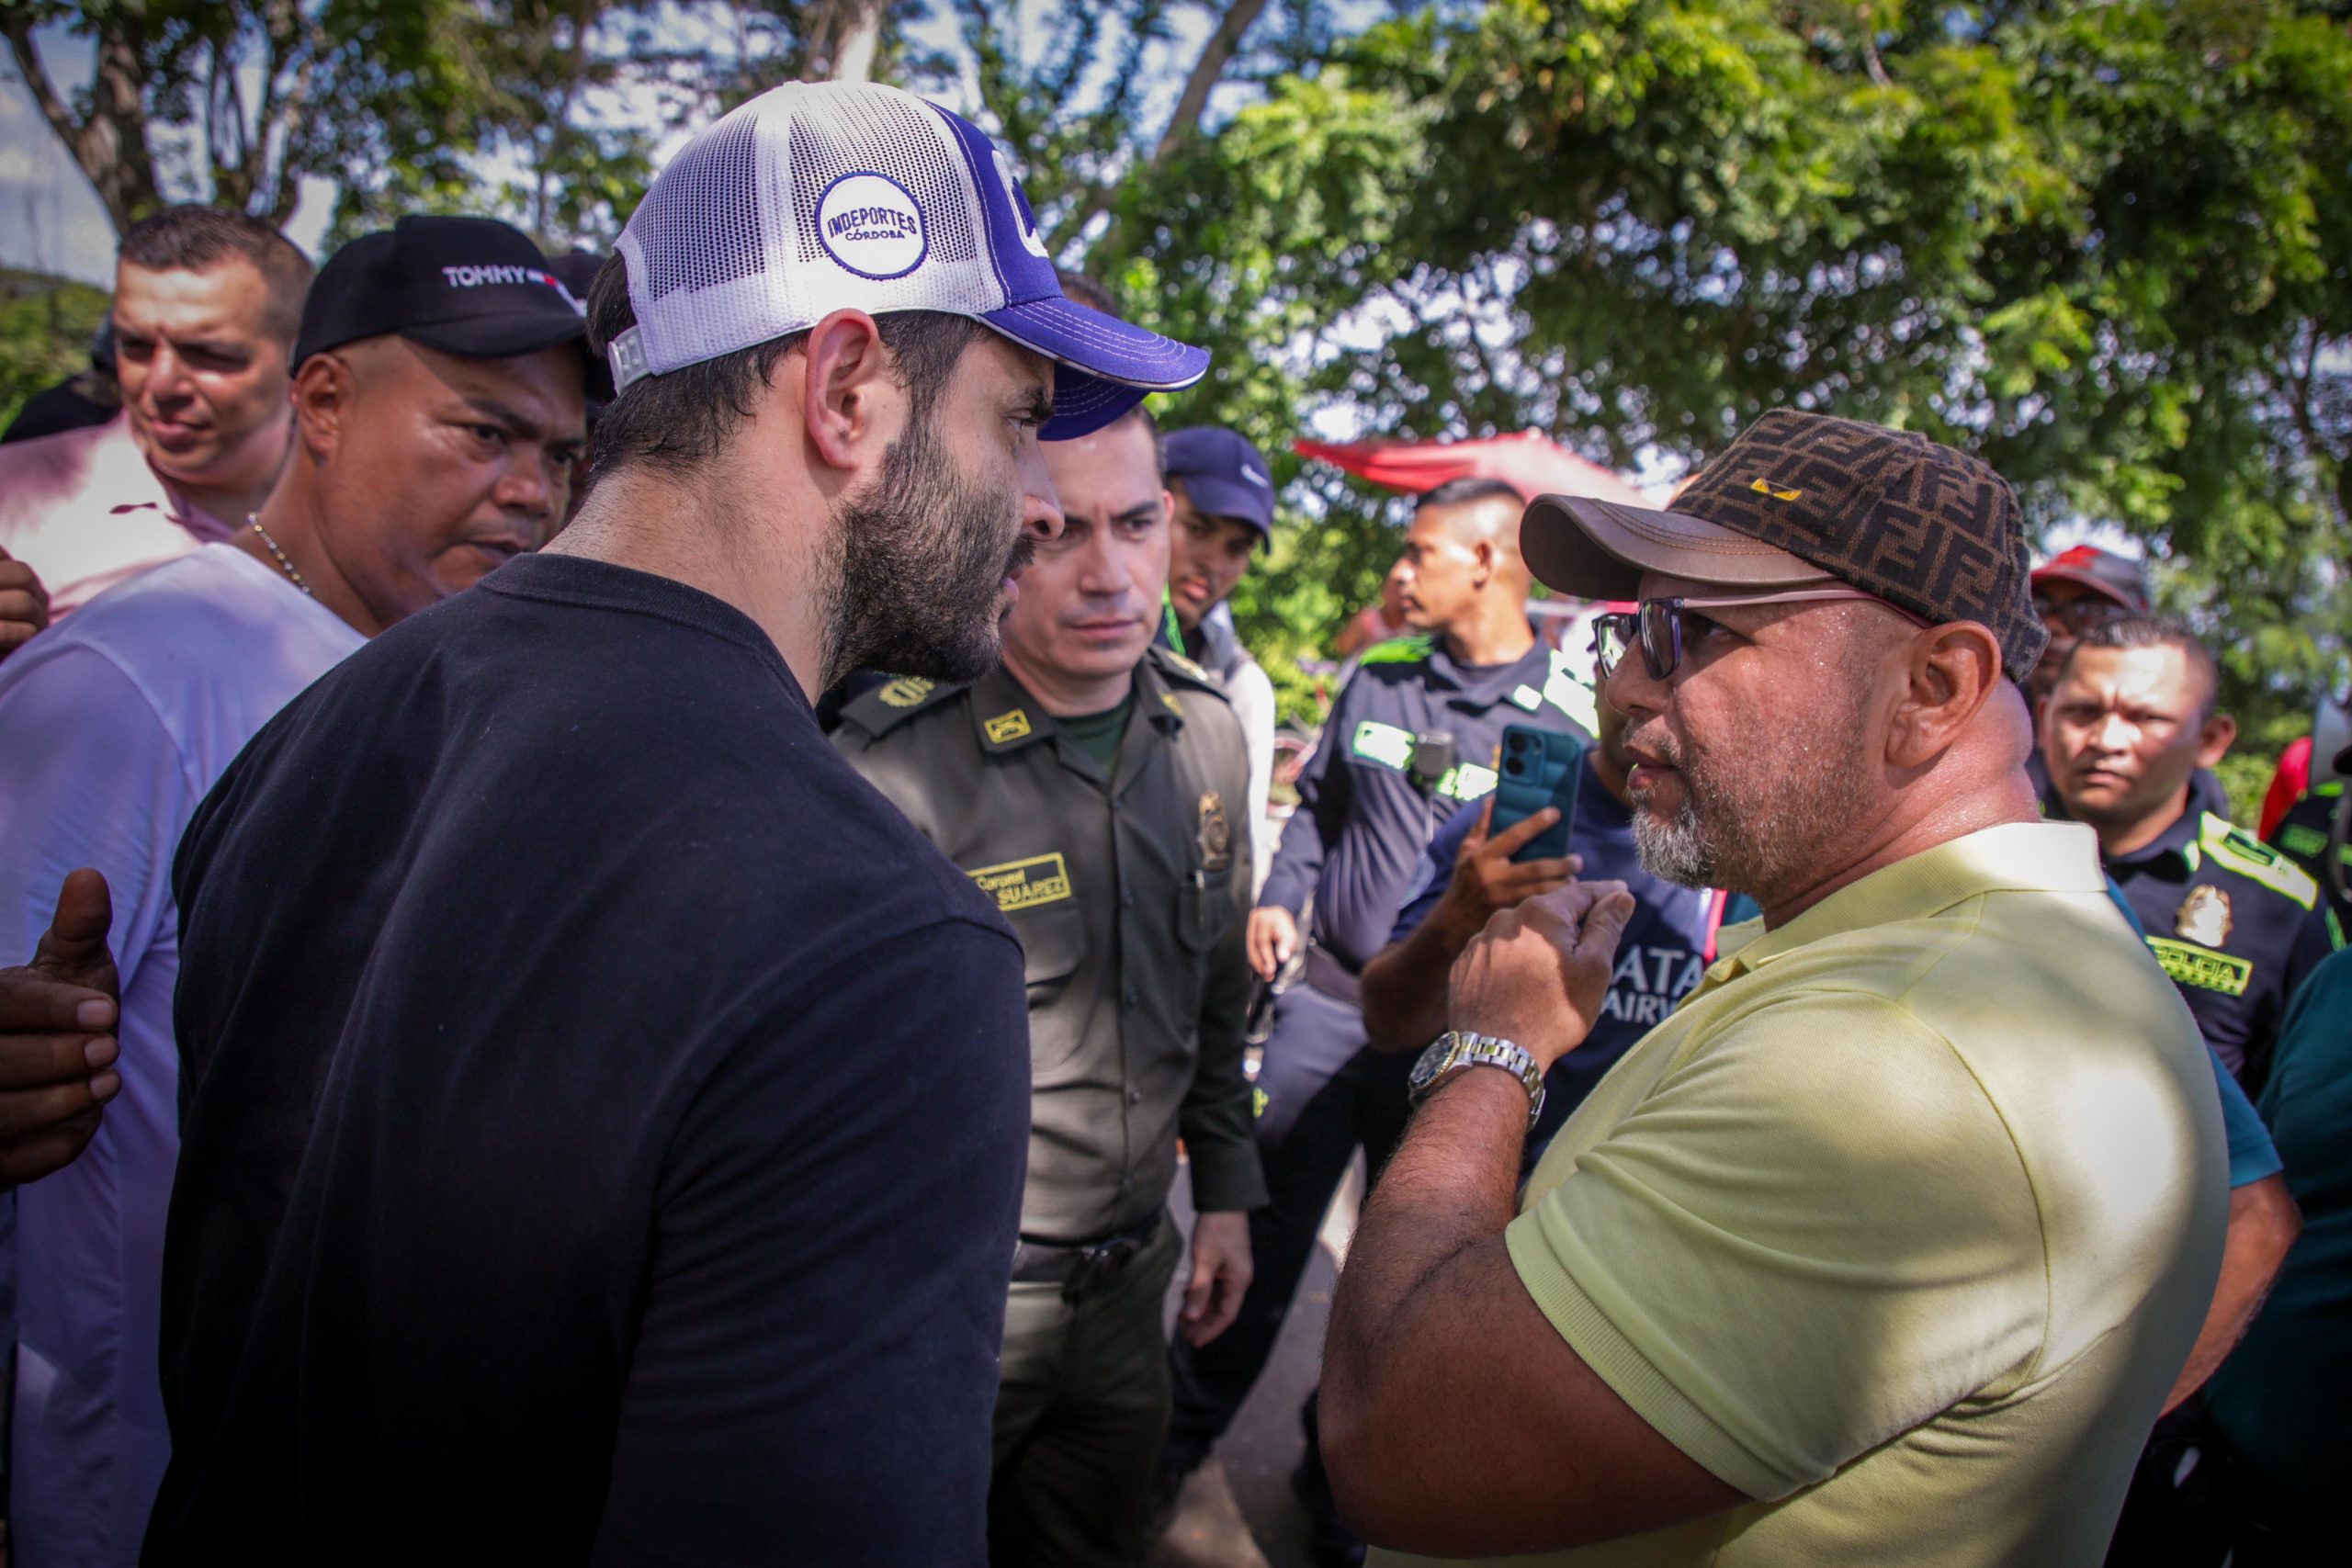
(1667,946)
(1365,812)
(2236,925)
(2302,837)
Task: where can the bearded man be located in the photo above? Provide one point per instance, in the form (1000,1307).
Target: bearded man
(1888,1245)
(605,1112)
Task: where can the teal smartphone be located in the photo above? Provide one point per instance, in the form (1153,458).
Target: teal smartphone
(1538,768)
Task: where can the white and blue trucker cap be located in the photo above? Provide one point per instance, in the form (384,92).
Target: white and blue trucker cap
(817,196)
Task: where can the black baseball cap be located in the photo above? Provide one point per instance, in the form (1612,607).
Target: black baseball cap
(1223,475)
(472,287)
(1798,499)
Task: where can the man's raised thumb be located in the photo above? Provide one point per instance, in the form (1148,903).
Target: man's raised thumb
(76,937)
(1603,925)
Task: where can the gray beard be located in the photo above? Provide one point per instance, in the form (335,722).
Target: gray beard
(1676,852)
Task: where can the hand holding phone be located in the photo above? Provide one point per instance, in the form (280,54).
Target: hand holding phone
(1539,768)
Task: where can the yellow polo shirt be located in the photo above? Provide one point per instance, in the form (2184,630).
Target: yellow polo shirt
(1903,1223)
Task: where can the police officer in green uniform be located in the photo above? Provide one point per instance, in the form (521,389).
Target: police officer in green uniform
(1095,787)
(2235,924)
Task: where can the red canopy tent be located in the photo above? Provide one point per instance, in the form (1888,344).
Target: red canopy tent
(1531,463)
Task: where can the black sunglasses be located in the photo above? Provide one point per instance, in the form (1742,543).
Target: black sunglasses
(1656,625)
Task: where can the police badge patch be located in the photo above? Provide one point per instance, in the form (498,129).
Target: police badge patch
(2204,917)
(906,692)
(1216,833)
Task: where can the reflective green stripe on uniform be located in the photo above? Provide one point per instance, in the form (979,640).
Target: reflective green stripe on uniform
(1467,780)
(1398,651)
(2253,859)
(1570,696)
(1384,744)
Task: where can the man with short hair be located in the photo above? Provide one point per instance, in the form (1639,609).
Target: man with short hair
(205,304)
(1092,786)
(623,1158)
(435,429)
(2135,713)
(1888,1245)
(1414,734)
(1224,495)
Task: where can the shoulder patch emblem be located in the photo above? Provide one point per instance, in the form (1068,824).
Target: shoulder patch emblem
(1172,703)
(1007,727)
(1025,884)
(2204,917)
(907,691)
(1215,833)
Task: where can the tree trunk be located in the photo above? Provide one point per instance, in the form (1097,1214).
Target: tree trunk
(110,144)
(861,35)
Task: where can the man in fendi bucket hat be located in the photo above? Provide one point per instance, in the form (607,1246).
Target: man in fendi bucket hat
(1887,1244)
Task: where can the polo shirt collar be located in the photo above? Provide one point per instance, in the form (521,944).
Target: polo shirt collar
(2016,857)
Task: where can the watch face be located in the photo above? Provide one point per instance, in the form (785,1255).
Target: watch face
(1432,1060)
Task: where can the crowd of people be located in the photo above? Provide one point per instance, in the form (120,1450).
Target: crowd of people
(638,882)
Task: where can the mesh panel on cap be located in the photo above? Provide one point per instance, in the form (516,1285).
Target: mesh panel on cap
(699,225)
(872,132)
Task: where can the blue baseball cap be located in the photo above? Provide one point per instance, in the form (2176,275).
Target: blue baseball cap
(1223,475)
(817,197)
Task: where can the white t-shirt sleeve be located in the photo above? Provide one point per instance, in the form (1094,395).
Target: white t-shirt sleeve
(1251,693)
(89,776)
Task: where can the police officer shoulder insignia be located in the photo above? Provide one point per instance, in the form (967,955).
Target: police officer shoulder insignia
(1414,650)
(1172,703)
(1011,725)
(886,707)
(1175,664)
(2251,858)
(1215,833)
(2204,917)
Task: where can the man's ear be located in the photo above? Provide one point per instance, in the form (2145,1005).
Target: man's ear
(322,396)
(1948,672)
(846,387)
(2220,731)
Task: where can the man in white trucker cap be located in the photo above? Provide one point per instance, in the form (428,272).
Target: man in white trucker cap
(605,1112)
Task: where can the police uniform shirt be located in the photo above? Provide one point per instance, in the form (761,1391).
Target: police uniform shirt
(1366,811)
(2234,923)
(1128,893)
(2302,835)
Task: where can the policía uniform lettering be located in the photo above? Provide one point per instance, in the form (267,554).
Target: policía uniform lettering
(2235,924)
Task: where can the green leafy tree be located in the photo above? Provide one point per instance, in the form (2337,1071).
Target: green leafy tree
(46,324)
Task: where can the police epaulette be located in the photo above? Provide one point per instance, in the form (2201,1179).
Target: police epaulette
(1411,650)
(885,707)
(2253,859)
(1170,662)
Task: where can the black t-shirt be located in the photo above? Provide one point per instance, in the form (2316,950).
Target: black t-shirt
(605,1115)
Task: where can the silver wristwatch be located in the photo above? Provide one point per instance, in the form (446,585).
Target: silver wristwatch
(1453,1049)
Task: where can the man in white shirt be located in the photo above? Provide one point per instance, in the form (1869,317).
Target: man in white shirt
(437,422)
(1224,510)
(205,307)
